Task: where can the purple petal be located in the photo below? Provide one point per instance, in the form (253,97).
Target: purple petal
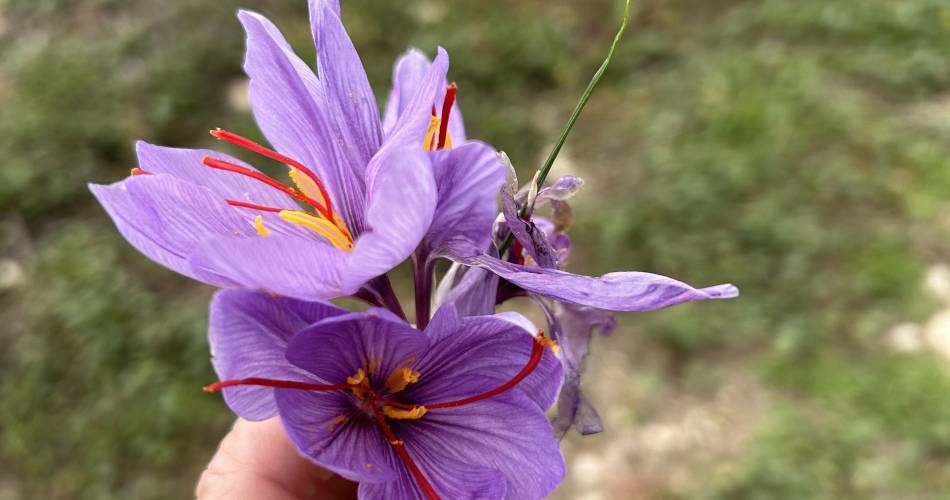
(401,202)
(186,164)
(475,293)
(409,72)
(449,477)
(562,189)
(288,105)
(573,327)
(165,218)
(624,291)
(482,354)
(329,429)
(350,101)
(283,264)
(468,179)
(507,433)
(412,123)
(532,238)
(338,347)
(248,333)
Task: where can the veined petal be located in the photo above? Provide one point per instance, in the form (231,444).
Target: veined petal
(331,431)
(409,73)
(248,333)
(280,263)
(481,355)
(165,218)
(400,207)
(338,347)
(468,178)
(186,164)
(507,433)
(349,99)
(289,106)
(449,477)
(411,124)
(623,291)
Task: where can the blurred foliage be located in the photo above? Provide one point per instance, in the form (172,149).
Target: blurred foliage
(796,148)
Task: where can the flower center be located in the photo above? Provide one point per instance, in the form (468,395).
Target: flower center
(383,408)
(308,189)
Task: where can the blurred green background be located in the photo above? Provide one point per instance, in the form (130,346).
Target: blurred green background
(797,148)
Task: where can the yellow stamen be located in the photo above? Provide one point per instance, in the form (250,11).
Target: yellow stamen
(448,141)
(400,378)
(427,143)
(556,349)
(320,226)
(307,186)
(358,378)
(259,226)
(400,414)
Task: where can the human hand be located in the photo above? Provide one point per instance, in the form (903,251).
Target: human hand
(256,461)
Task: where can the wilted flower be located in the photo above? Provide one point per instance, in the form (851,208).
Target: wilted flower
(456,411)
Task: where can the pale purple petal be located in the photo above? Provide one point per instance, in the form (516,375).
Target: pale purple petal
(622,291)
(282,264)
(532,239)
(411,125)
(409,72)
(475,293)
(350,101)
(165,218)
(573,327)
(248,334)
(506,433)
(562,189)
(468,178)
(186,164)
(289,106)
(401,203)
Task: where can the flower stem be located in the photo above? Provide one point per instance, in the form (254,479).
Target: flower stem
(556,150)
(422,269)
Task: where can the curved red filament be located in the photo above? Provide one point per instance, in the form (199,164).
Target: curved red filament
(536,351)
(403,453)
(254,206)
(238,169)
(281,384)
(250,145)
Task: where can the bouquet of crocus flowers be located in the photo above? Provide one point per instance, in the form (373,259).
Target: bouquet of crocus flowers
(452,405)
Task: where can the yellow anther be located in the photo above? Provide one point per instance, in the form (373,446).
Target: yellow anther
(399,414)
(306,186)
(400,378)
(320,226)
(397,442)
(551,343)
(371,367)
(259,226)
(357,379)
(428,144)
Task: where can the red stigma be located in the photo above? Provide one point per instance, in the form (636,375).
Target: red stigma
(447,104)
(250,145)
(138,171)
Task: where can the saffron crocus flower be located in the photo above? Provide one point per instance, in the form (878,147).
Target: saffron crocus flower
(363,196)
(456,411)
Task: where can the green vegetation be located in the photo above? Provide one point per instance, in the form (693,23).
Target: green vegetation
(797,148)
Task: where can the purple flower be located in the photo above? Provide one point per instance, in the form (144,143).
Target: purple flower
(366,194)
(456,411)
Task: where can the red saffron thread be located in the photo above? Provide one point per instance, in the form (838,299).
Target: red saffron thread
(450,92)
(250,145)
(267,382)
(536,352)
(404,454)
(252,206)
